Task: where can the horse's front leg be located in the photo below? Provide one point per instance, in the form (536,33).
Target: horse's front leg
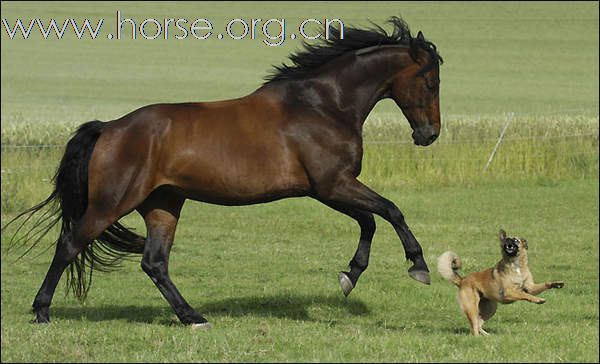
(348,192)
(360,261)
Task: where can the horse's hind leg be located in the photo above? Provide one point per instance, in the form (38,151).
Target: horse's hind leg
(360,261)
(69,246)
(66,251)
(161,213)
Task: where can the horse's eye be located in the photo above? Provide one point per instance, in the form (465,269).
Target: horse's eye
(432,84)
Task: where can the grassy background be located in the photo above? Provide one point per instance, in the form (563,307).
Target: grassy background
(265,275)
(502,57)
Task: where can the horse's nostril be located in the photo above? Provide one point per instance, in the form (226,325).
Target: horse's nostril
(432,138)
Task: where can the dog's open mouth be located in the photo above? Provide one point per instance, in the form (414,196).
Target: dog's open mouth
(511,249)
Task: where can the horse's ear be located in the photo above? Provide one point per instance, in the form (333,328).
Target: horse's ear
(415,43)
(412,50)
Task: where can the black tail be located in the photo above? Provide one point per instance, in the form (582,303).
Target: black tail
(68,202)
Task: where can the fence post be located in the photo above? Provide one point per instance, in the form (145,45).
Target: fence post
(509,118)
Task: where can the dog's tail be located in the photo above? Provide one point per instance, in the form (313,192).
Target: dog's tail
(448,266)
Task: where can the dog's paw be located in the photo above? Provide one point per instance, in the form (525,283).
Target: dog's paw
(540,301)
(557,284)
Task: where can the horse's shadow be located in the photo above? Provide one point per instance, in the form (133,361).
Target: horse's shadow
(294,307)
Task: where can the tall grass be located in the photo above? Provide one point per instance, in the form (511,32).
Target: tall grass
(535,149)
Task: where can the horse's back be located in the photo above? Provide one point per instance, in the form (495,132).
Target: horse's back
(227,152)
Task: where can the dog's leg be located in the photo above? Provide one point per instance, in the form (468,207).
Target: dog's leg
(469,303)
(517,295)
(482,331)
(538,288)
(487,309)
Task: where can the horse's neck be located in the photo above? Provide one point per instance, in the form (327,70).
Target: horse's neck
(356,85)
(345,89)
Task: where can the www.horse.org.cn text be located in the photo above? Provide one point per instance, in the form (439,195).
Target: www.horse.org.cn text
(271,32)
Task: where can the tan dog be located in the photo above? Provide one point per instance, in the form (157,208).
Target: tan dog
(509,281)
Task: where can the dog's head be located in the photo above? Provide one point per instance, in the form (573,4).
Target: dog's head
(512,246)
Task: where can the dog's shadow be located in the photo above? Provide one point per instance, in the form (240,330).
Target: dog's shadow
(294,307)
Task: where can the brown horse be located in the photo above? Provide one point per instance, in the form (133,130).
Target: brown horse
(300,134)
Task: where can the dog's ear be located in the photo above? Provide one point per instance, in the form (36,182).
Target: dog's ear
(502,235)
(524,242)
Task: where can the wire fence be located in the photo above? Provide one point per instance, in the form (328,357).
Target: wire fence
(373,142)
(31,146)
(565,138)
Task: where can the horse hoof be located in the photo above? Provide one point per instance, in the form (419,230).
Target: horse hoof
(201,326)
(420,275)
(40,321)
(346,283)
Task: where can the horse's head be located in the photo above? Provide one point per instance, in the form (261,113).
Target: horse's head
(415,89)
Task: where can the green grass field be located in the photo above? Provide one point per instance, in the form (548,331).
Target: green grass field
(266,275)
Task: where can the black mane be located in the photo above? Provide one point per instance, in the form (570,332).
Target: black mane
(314,56)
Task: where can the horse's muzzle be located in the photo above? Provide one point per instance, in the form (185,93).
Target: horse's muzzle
(424,138)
